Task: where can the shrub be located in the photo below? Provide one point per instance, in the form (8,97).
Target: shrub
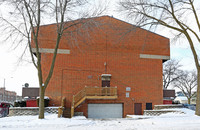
(20,104)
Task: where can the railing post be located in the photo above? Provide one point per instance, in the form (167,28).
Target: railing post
(72,111)
(61,108)
(115,91)
(109,91)
(106,90)
(63,102)
(72,108)
(100,91)
(96,91)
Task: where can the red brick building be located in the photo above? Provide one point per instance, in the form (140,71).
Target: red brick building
(107,52)
(7,96)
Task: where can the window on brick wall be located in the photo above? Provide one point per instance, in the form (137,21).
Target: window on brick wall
(148,106)
(127,94)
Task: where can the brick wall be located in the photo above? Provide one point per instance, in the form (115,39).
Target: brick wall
(114,47)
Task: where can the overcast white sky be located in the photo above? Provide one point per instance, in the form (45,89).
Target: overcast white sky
(18,75)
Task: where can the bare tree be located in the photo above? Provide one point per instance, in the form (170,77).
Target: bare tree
(187,83)
(171,72)
(25,19)
(172,14)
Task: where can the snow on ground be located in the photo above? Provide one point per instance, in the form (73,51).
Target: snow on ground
(170,121)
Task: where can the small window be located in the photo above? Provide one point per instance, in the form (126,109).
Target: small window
(127,94)
(148,106)
(128,88)
(89,76)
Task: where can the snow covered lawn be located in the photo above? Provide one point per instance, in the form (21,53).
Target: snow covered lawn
(175,121)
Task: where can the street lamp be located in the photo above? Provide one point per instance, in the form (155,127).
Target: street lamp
(4,88)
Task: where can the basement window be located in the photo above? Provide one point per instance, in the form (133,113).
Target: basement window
(148,106)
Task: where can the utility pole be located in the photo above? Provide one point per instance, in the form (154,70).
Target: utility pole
(4,89)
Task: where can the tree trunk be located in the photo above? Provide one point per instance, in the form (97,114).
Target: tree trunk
(41,103)
(198,93)
(189,100)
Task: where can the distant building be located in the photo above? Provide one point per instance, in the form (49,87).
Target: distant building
(168,96)
(18,98)
(30,92)
(7,96)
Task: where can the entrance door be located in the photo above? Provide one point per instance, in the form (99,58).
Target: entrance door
(105,91)
(138,108)
(105,83)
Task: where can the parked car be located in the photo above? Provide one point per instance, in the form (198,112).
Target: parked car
(4,108)
(181,100)
(190,106)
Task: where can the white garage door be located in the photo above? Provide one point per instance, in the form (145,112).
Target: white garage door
(105,110)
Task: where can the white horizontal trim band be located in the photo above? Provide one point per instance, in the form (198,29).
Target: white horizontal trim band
(45,50)
(154,56)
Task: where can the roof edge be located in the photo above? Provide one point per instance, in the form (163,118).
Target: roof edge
(109,17)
